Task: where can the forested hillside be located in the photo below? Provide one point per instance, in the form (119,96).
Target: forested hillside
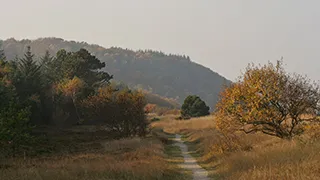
(172,76)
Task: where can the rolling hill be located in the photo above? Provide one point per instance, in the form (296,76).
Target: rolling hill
(168,75)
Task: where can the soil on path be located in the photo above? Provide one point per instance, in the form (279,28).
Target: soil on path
(190,162)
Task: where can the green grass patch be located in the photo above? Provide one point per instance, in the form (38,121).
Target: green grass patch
(173,151)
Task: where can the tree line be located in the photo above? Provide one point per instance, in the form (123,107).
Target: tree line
(62,91)
(168,75)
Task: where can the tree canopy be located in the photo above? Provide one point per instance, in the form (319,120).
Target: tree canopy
(269,100)
(81,64)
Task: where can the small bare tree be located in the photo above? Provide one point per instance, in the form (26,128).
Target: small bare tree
(268,99)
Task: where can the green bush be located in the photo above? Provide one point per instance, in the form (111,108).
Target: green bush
(193,106)
(14,129)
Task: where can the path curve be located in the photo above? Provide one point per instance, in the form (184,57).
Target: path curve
(190,162)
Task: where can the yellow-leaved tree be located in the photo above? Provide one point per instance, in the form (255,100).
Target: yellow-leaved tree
(269,100)
(71,88)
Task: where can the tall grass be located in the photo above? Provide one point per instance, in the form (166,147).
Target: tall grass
(248,156)
(131,158)
(168,124)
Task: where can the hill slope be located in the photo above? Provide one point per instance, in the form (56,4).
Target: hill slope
(172,76)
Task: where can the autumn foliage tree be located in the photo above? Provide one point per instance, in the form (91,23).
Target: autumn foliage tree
(120,111)
(71,77)
(71,88)
(269,100)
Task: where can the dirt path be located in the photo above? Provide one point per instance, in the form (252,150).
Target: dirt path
(190,162)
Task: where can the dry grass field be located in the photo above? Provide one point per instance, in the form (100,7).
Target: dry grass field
(252,156)
(79,155)
(88,156)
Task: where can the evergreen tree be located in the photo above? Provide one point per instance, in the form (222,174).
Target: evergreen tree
(88,66)
(193,106)
(14,116)
(47,72)
(81,64)
(29,75)
(27,81)
(46,94)
(45,61)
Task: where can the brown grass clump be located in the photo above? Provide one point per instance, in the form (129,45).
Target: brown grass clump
(286,160)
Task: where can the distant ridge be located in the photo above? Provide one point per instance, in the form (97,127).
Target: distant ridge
(168,75)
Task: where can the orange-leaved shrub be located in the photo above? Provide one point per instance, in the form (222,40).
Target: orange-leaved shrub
(120,111)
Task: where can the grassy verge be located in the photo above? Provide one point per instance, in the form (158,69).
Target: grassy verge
(92,155)
(196,150)
(200,127)
(173,153)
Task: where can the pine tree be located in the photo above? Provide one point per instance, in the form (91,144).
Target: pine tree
(45,66)
(46,60)
(29,85)
(29,75)
(193,106)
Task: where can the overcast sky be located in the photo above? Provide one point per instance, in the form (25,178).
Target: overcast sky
(223,35)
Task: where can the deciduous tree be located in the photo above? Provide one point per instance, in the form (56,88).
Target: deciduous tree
(121,111)
(71,88)
(268,99)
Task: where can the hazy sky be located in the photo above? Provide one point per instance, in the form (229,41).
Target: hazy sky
(223,35)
